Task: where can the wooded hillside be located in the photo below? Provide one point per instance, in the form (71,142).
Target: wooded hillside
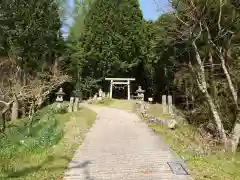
(191,53)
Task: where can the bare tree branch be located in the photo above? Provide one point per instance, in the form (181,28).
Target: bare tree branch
(220,16)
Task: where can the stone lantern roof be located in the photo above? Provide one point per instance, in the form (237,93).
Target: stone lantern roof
(60,92)
(140,90)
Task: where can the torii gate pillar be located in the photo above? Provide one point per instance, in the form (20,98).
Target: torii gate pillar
(111,88)
(128,86)
(126,81)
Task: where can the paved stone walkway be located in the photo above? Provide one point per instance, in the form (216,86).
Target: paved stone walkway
(121,147)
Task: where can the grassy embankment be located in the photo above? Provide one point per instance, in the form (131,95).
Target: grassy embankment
(43,150)
(204,163)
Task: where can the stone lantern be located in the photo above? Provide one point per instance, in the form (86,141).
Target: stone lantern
(60,95)
(140,93)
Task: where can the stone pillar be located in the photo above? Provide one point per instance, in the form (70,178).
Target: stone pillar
(95,97)
(164,104)
(15,107)
(75,107)
(128,89)
(103,95)
(14,110)
(111,88)
(70,107)
(170,108)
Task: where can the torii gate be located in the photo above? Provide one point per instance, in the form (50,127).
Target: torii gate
(120,81)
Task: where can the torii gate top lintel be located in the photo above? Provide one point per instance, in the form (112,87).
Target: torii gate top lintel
(120,81)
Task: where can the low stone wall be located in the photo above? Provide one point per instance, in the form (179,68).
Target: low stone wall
(142,108)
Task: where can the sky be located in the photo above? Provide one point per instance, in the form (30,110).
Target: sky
(151,9)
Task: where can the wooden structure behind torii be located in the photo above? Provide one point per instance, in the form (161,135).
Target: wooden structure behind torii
(120,81)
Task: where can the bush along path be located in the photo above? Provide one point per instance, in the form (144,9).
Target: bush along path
(121,146)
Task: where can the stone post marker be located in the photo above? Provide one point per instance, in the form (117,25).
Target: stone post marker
(70,107)
(164,104)
(75,107)
(15,106)
(95,97)
(170,106)
(103,95)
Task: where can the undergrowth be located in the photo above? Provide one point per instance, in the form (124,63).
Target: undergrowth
(205,158)
(43,148)
(28,139)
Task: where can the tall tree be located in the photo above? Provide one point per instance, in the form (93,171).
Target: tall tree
(79,12)
(112,39)
(209,28)
(33,32)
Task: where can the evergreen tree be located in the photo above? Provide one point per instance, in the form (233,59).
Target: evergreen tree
(32,32)
(80,10)
(113,38)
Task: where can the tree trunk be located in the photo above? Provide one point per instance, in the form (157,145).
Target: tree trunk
(216,117)
(229,80)
(55,68)
(211,79)
(186,95)
(3,114)
(202,84)
(236,128)
(17,90)
(235,137)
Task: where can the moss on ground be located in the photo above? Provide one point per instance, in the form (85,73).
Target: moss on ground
(44,150)
(114,103)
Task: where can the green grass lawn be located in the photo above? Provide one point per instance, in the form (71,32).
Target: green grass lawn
(210,165)
(44,150)
(115,103)
(156,110)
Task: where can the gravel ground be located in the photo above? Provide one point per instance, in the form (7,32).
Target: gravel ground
(121,147)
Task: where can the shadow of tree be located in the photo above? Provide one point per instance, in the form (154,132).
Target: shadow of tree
(29,170)
(85,168)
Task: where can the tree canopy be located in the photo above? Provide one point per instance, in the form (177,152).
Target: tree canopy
(31,32)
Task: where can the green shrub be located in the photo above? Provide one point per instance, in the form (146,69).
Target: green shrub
(39,149)
(59,110)
(31,137)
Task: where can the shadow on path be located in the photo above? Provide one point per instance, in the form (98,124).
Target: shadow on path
(84,166)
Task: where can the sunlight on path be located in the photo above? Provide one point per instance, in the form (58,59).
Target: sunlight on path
(121,146)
